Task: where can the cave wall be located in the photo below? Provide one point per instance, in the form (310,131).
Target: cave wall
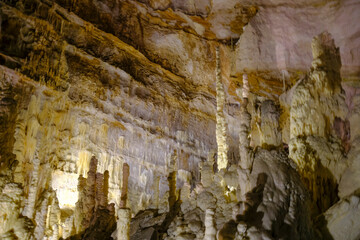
(134,82)
(100,97)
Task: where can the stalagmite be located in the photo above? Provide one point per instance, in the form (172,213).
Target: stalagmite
(123,224)
(31,200)
(68,227)
(245,120)
(270,135)
(89,198)
(53,219)
(316,101)
(172,180)
(246,157)
(124,189)
(101,192)
(40,219)
(124,214)
(221,126)
(132,81)
(156,192)
(210,230)
(207,171)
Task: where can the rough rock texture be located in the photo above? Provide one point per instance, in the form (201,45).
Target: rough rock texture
(275,206)
(13,224)
(275,47)
(322,143)
(350,181)
(94,217)
(79,102)
(341,220)
(210,230)
(123,224)
(221,124)
(313,145)
(134,82)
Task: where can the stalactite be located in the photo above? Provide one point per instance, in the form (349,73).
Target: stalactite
(221,126)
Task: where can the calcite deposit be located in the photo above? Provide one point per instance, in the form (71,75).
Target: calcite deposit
(179,119)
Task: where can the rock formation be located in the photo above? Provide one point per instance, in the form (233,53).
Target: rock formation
(119,121)
(94,217)
(311,135)
(124,214)
(221,126)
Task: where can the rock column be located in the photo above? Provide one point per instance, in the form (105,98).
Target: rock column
(245,120)
(245,150)
(31,200)
(210,230)
(124,214)
(221,125)
(124,189)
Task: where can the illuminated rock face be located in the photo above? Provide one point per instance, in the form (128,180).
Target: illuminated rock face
(83,118)
(136,83)
(315,103)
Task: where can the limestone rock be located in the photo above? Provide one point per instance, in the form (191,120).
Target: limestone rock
(311,146)
(13,224)
(133,81)
(341,220)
